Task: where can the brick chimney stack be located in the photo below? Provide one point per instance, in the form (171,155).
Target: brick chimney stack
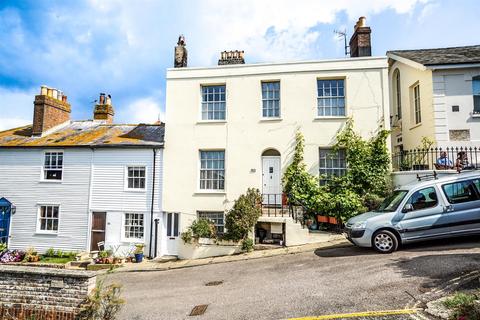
(103,109)
(360,42)
(231,57)
(50,110)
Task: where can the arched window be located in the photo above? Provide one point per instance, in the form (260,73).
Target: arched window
(397,93)
(476,94)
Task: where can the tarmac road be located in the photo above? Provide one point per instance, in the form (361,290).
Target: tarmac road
(331,281)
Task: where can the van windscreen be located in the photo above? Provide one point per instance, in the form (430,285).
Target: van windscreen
(392,202)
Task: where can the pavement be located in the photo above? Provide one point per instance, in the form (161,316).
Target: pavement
(151,265)
(317,284)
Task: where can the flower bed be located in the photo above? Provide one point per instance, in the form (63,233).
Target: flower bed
(8,256)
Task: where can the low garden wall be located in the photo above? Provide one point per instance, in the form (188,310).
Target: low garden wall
(400,178)
(43,293)
(206,248)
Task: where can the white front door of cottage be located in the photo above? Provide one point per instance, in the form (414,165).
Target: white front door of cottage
(171,225)
(271,181)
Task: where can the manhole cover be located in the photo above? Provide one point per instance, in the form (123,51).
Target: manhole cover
(199,310)
(214,283)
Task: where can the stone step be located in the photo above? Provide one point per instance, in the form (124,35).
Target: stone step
(164,259)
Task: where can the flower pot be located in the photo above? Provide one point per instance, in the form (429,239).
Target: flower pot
(332,220)
(138,257)
(322,219)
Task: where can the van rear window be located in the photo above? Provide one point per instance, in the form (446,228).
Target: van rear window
(462,191)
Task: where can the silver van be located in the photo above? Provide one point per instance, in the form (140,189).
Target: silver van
(431,208)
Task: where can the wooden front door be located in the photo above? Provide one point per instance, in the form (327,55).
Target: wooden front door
(99,222)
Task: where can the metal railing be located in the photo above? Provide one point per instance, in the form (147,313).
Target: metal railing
(272,205)
(450,158)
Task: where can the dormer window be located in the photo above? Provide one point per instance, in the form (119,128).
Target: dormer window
(53,166)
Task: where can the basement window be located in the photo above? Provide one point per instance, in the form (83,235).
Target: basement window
(53,166)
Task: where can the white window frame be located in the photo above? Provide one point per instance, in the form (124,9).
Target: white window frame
(206,212)
(38,223)
(274,117)
(44,169)
(320,168)
(200,171)
(123,237)
(126,188)
(344,97)
(417,104)
(202,102)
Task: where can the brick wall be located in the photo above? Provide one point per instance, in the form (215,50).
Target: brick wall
(48,113)
(44,293)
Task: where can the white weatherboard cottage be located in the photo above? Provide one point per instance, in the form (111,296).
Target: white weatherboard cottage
(76,184)
(232,127)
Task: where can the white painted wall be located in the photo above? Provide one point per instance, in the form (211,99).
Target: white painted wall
(93,180)
(244,135)
(454,87)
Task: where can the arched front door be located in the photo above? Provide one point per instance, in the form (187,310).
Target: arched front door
(5,213)
(271,178)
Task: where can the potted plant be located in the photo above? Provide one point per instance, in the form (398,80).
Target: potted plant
(139,252)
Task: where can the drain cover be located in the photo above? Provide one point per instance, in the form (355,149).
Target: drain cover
(199,310)
(214,283)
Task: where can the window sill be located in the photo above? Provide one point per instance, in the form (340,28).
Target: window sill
(416,126)
(212,192)
(211,121)
(42,233)
(271,119)
(50,181)
(331,118)
(136,190)
(475,115)
(129,241)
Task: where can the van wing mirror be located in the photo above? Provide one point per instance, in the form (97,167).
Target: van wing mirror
(408,207)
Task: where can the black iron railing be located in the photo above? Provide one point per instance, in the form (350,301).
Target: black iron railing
(450,158)
(272,205)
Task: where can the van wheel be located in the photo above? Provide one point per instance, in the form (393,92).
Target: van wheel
(384,241)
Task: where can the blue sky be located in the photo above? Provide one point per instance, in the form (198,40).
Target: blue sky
(124,47)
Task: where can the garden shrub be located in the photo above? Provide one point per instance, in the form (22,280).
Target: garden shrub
(247,245)
(243,216)
(201,228)
(103,303)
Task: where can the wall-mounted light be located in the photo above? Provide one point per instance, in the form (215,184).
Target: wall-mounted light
(13,209)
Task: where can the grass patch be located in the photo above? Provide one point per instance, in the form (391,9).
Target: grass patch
(464,306)
(62,260)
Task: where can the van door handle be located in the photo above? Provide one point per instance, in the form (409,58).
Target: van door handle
(448,208)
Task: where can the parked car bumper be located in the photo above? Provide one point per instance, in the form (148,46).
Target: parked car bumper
(361,238)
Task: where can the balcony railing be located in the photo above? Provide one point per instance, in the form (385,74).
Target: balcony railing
(450,158)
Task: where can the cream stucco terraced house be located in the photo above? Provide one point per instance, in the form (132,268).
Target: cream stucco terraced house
(78,184)
(435,93)
(232,126)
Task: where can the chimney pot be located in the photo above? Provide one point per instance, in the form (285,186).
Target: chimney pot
(104,110)
(231,57)
(360,42)
(49,111)
(102,98)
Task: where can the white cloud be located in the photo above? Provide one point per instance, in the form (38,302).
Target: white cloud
(144,110)
(278,29)
(16,107)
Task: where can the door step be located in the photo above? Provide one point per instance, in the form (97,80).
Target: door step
(164,259)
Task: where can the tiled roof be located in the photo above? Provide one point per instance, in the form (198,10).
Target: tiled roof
(87,134)
(441,56)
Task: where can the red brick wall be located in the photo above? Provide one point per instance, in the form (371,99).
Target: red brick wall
(48,113)
(20,312)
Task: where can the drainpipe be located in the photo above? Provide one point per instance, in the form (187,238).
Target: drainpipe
(156,237)
(153,202)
